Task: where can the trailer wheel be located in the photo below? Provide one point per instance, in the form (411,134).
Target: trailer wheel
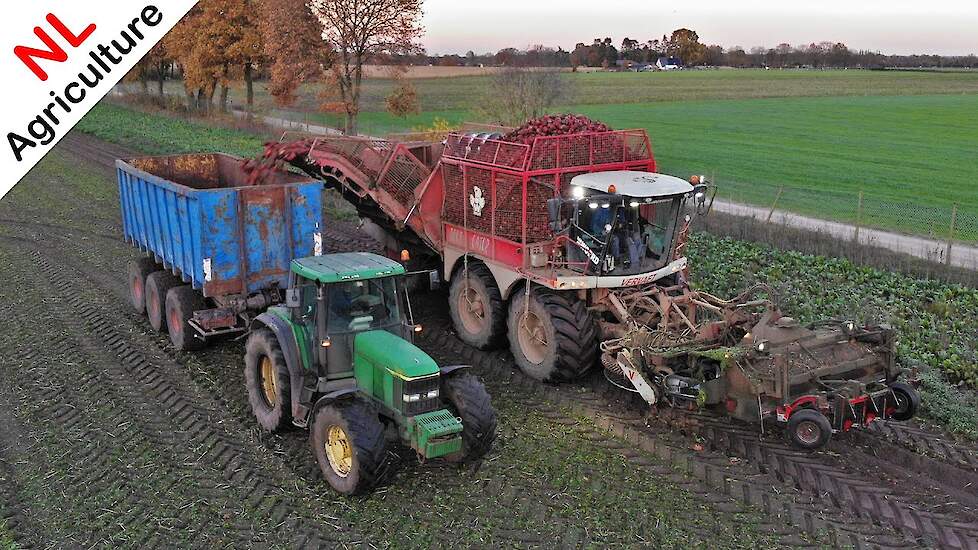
(476,307)
(348,441)
(158,285)
(907,401)
(268,381)
(468,399)
(555,338)
(181,303)
(139,270)
(809,429)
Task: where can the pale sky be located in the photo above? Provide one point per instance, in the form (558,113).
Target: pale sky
(948,27)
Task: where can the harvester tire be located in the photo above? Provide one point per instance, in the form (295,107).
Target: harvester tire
(181,303)
(907,401)
(479,315)
(468,399)
(139,270)
(809,429)
(348,442)
(562,343)
(158,285)
(268,381)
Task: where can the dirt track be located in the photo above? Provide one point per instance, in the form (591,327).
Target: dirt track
(110,436)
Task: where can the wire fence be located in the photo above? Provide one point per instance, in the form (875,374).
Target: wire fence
(946,233)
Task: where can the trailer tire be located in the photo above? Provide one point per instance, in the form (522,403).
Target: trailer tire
(562,342)
(139,270)
(347,439)
(481,323)
(809,429)
(468,399)
(268,381)
(907,401)
(158,285)
(181,303)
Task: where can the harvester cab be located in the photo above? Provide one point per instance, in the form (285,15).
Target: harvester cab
(622,223)
(339,358)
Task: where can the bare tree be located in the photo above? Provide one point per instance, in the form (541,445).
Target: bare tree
(516,95)
(360,30)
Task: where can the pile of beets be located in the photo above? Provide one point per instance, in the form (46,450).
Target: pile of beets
(258,169)
(554,125)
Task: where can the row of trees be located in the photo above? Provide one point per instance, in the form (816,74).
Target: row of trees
(294,41)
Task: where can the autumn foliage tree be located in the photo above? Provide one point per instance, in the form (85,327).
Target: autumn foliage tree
(358,31)
(403,99)
(293,46)
(685,44)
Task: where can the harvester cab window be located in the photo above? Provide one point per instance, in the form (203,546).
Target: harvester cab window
(363,305)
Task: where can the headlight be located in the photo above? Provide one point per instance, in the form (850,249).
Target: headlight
(412,397)
(577,192)
(432,394)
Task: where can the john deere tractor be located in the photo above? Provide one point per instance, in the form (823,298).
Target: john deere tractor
(338,359)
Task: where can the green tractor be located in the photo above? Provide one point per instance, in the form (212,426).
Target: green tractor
(338,359)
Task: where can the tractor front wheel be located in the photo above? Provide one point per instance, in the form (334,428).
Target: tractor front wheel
(468,399)
(158,285)
(139,270)
(476,307)
(907,401)
(809,429)
(348,441)
(553,337)
(181,303)
(268,381)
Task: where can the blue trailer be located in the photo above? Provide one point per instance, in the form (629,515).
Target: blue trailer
(216,250)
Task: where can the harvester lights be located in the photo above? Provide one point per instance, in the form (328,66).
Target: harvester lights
(606,205)
(592,205)
(633,204)
(418,328)
(577,192)
(326,343)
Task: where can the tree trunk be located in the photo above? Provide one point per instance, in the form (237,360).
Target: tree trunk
(224,98)
(191,101)
(249,84)
(202,101)
(145,84)
(160,76)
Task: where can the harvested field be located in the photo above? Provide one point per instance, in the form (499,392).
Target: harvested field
(105,425)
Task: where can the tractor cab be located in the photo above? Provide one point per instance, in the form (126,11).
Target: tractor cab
(621,223)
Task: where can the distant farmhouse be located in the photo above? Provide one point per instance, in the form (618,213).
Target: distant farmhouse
(669,63)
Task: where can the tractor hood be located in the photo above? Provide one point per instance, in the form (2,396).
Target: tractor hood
(402,358)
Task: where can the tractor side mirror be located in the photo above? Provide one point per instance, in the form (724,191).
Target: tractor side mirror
(292,298)
(553,213)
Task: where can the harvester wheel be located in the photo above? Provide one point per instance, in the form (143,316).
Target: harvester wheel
(158,284)
(139,269)
(809,429)
(268,381)
(907,401)
(348,441)
(476,307)
(468,399)
(181,303)
(555,339)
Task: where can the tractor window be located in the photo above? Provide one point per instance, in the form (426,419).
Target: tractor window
(363,305)
(307,299)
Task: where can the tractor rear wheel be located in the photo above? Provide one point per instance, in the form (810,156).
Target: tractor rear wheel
(158,284)
(468,399)
(268,381)
(181,303)
(139,270)
(476,307)
(809,429)
(348,441)
(907,401)
(554,338)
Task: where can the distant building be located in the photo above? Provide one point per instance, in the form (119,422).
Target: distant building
(669,63)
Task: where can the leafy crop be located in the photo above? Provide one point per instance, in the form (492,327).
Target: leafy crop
(936,323)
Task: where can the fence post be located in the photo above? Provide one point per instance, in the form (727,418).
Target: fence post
(859,215)
(950,235)
(775,203)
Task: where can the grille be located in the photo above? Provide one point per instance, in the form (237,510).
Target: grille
(421,385)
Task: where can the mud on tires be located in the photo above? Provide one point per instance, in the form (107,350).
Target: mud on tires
(139,269)
(347,439)
(181,303)
(468,399)
(268,381)
(158,285)
(809,429)
(907,401)
(476,307)
(558,340)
